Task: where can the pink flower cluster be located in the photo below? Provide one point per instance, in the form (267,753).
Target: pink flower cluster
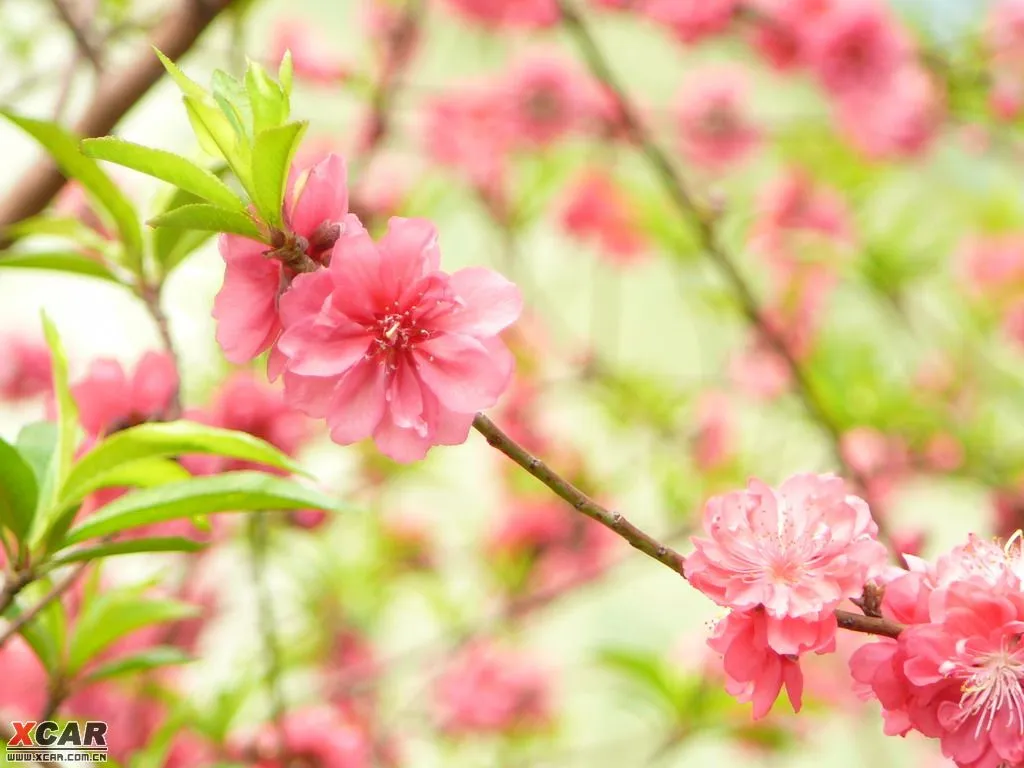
(372,336)
(25,369)
(782,560)
(956,672)
(493,689)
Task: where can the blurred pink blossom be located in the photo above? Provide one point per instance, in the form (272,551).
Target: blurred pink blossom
(25,369)
(596,207)
(109,400)
(714,127)
(311,59)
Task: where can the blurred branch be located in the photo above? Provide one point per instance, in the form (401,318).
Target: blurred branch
(637,538)
(399,46)
(116,93)
(80,33)
(705,220)
(151,299)
(55,593)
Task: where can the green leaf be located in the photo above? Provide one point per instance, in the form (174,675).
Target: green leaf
(228,492)
(208,218)
(151,658)
(67,425)
(269,103)
(18,491)
(66,227)
(219,138)
(272,159)
(168,439)
(116,614)
(133,547)
(188,86)
(233,100)
(36,443)
(171,246)
(166,166)
(59,261)
(63,148)
(285,76)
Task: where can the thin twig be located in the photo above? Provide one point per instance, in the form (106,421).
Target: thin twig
(151,299)
(633,535)
(55,593)
(82,39)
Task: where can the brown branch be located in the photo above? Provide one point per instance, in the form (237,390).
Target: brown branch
(637,538)
(575,497)
(116,93)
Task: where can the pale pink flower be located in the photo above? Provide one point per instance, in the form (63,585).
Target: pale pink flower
(547,98)
(109,400)
(714,443)
(471,132)
(25,369)
(943,452)
(714,127)
(23,693)
(759,371)
(691,20)
(1006,98)
(384,344)
(318,736)
(312,60)
(490,689)
(507,14)
(754,672)
(781,29)
(597,207)
(246,308)
(856,47)
(899,118)
(993,264)
(1004,35)
(798,551)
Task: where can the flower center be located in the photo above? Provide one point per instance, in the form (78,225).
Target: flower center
(993,683)
(396,333)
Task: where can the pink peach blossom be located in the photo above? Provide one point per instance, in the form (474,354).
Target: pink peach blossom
(383,344)
(507,14)
(714,127)
(318,736)
(856,47)
(23,693)
(715,438)
(798,551)
(548,99)
(246,308)
(312,60)
(492,689)
(691,20)
(25,369)
(754,671)
(470,131)
(109,400)
(596,207)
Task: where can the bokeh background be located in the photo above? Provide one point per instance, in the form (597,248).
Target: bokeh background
(625,366)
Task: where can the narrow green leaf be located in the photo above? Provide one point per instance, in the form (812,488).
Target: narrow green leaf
(168,439)
(228,492)
(18,491)
(272,159)
(116,614)
(269,103)
(151,658)
(285,76)
(36,443)
(133,547)
(67,419)
(166,166)
(215,132)
(188,86)
(63,148)
(65,227)
(171,246)
(208,218)
(59,261)
(147,472)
